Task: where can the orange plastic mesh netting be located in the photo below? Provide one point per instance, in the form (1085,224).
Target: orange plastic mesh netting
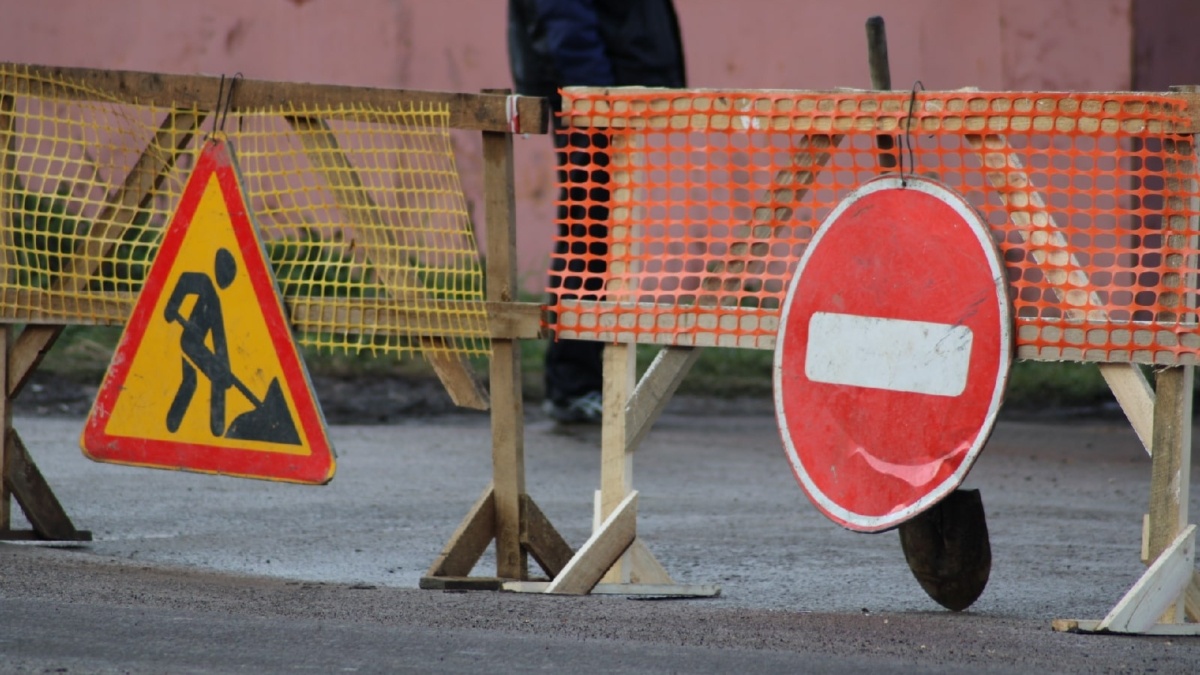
(690,209)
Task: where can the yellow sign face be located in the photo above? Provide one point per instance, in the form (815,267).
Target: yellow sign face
(206,376)
(156,374)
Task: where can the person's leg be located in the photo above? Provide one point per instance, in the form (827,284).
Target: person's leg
(574,368)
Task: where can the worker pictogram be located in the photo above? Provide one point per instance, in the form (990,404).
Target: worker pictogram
(206,376)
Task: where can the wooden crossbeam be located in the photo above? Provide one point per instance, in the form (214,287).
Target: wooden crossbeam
(399,279)
(139,187)
(833,112)
(485,112)
(504,320)
(658,384)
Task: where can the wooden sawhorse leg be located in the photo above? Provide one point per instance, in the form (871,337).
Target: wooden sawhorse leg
(22,482)
(614,560)
(1169,590)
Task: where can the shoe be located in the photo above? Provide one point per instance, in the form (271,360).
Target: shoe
(587,409)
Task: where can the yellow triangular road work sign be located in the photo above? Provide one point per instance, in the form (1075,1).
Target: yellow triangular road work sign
(206,376)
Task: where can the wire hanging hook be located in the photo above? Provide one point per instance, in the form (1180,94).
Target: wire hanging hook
(223,105)
(217,109)
(223,113)
(906,139)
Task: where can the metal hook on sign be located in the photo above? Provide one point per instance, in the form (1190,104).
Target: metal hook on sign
(224,104)
(217,108)
(224,113)
(906,139)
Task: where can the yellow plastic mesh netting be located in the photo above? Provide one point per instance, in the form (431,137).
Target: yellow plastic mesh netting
(361,212)
(689,210)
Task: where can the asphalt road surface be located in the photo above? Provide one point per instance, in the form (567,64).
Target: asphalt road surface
(201,574)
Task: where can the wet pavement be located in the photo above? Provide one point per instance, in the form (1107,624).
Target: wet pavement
(718,505)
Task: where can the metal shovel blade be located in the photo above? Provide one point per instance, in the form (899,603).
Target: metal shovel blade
(948,551)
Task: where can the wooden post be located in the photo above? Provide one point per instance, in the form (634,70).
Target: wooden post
(7,183)
(508,416)
(1170,465)
(1171,436)
(616,455)
(6,420)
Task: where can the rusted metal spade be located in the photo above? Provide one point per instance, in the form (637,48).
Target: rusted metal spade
(948,551)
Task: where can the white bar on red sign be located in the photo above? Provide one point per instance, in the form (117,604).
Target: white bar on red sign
(893,354)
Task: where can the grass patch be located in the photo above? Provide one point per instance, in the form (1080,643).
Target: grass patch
(83,352)
(1036,385)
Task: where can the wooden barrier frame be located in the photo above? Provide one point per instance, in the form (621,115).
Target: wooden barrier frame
(1166,595)
(1164,601)
(514,520)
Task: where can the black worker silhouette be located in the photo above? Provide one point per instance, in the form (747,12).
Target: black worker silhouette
(269,420)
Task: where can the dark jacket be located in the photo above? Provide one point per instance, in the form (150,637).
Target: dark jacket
(560,43)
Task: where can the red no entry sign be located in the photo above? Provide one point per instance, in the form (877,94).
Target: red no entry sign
(893,354)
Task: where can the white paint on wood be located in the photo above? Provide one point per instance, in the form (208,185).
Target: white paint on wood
(1093,626)
(600,552)
(1160,587)
(893,354)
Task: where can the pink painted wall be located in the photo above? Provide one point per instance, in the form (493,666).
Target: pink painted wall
(458,45)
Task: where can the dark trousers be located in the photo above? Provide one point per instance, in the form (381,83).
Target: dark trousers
(575,367)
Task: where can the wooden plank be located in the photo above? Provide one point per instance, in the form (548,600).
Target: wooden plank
(485,112)
(33,494)
(511,320)
(460,583)
(600,552)
(508,415)
(700,327)
(1135,396)
(789,186)
(541,540)
(1170,473)
(644,567)
(1191,598)
(506,320)
(8,174)
(26,352)
(455,374)
(630,590)
(469,540)
(134,195)
(1191,97)
(397,277)
(655,389)
(616,460)
(5,429)
(832,112)
(1033,223)
(1170,456)
(1158,590)
(1158,629)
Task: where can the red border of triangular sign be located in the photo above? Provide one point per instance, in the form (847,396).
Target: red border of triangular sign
(318,466)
